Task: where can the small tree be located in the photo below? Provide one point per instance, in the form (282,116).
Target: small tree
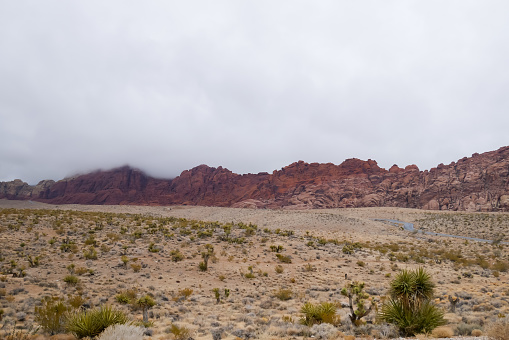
(206,255)
(354,292)
(410,306)
(145,303)
(125,260)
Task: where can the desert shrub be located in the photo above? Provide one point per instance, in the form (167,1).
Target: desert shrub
(284,258)
(71,280)
(249,275)
(81,270)
(498,330)
(33,261)
(323,331)
(91,241)
(90,253)
(476,332)
(122,332)
(324,312)
(202,266)
(442,332)
(18,334)
(153,248)
(500,266)
(126,296)
(51,314)
(75,301)
(179,332)
(466,328)
(283,294)
(176,255)
(347,249)
(276,249)
(122,299)
(410,307)
(186,292)
(384,331)
(308,267)
(92,322)
(136,267)
(279,269)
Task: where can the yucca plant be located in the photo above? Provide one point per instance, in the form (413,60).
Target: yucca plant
(324,312)
(90,323)
(410,307)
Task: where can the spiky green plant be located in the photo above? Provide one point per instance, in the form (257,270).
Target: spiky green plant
(410,306)
(90,323)
(324,312)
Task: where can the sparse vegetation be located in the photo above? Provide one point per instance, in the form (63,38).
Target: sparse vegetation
(37,257)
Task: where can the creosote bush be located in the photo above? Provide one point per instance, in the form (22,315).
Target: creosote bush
(179,332)
(71,280)
(283,294)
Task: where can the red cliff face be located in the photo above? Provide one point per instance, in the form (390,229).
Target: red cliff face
(478,183)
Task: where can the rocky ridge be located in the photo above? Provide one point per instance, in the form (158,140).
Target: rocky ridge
(476,183)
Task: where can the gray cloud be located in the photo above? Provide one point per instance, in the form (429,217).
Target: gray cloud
(251,86)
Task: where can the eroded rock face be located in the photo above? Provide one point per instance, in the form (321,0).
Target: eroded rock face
(477,183)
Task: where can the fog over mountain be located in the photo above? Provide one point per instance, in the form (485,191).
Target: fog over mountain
(251,86)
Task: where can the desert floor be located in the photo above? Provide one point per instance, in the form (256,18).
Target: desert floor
(157,251)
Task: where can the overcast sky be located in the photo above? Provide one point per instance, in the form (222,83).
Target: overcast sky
(248,85)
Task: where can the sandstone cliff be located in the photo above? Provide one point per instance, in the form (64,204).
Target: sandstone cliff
(477,183)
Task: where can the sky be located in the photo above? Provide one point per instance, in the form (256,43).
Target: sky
(251,86)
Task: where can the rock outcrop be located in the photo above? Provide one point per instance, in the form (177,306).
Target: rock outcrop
(477,183)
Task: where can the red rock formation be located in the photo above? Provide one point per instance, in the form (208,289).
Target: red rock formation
(478,183)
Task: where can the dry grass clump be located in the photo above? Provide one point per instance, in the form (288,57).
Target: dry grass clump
(498,330)
(442,332)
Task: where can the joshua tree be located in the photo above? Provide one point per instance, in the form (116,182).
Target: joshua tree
(206,254)
(145,303)
(354,292)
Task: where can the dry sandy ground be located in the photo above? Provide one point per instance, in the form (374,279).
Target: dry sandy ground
(316,272)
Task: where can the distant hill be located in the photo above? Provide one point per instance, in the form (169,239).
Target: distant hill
(476,183)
